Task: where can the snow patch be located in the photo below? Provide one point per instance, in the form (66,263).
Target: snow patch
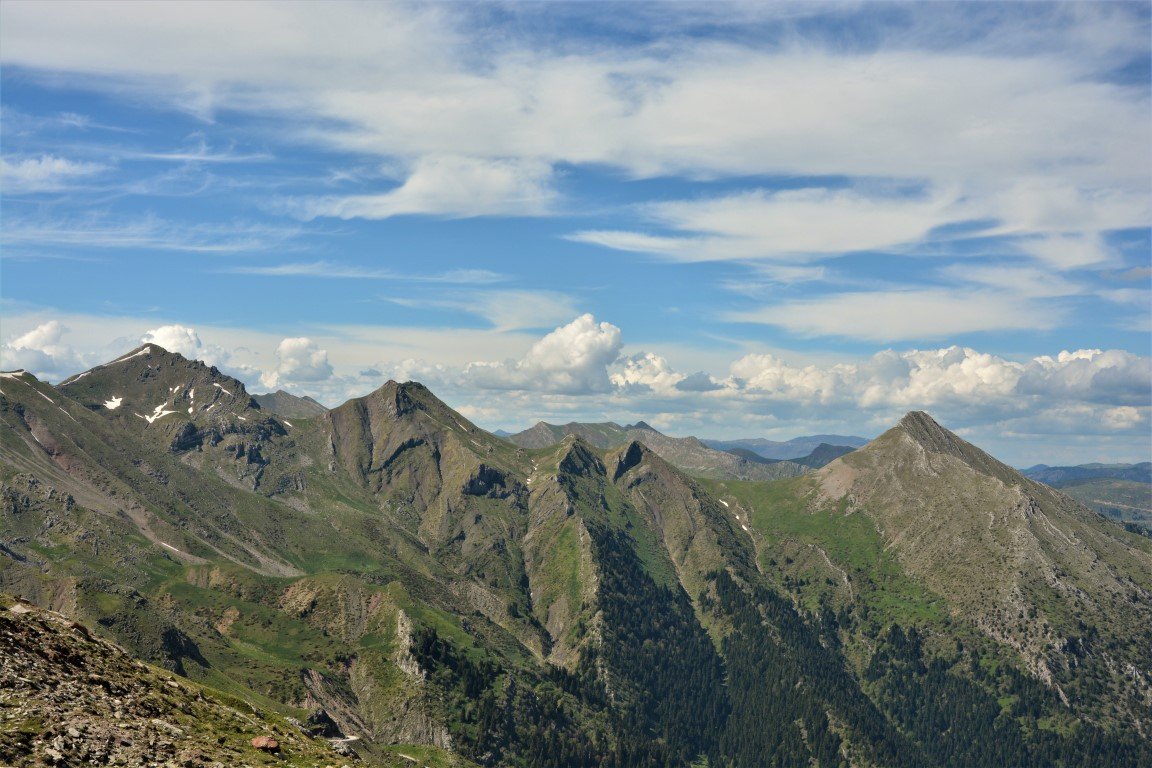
(158,412)
(242,418)
(743,526)
(222,389)
(723,502)
(114,403)
(12,374)
(287,422)
(170,547)
(145,351)
(192,393)
(66,413)
(77,378)
(189,409)
(45,397)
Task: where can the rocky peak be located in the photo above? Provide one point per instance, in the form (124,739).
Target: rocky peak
(927,431)
(578,457)
(632,456)
(933,438)
(403,399)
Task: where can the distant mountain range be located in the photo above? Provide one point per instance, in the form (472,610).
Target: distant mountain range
(1120,491)
(388,572)
(284,404)
(788,449)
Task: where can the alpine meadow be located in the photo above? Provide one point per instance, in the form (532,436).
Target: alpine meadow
(575,384)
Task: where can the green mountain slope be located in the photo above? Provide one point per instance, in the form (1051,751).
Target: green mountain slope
(436,591)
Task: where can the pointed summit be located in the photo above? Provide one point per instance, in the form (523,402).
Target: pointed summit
(926,432)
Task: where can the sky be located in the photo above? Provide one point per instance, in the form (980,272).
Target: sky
(727,219)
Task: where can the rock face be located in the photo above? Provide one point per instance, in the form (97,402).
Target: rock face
(68,697)
(687,453)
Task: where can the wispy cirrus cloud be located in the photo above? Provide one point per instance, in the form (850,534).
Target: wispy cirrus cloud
(453,186)
(146,233)
(505,310)
(905,314)
(337,271)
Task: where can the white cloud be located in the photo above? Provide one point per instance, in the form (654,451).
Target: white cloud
(449,186)
(505,310)
(186,341)
(336,271)
(41,351)
(298,360)
(176,338)
(647,372)
(1124,417)
(1112,376)
(572,359)
(793,224)
(46,173)
(1027,281)
(412,82)
(952,377)
(899,315)
(146,232)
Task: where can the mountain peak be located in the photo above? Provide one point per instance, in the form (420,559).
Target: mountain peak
(927,431)
(642,425)
(931,437)
(631,456)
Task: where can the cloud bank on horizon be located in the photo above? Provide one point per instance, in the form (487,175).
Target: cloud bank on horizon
(717,217)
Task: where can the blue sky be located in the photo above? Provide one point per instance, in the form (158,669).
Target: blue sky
(727,219)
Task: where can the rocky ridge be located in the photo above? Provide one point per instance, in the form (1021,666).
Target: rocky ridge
(68,697)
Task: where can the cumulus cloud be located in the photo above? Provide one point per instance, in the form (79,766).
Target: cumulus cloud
(186,341)
(298,360)
(647,372)
(41,351)
(1112,385)
(1112,376)
(176,338)
(572,359)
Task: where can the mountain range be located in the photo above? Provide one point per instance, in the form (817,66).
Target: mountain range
(787,449)
(600,597)
(1120,491)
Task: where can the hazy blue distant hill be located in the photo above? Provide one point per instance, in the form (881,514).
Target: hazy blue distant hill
(787,449)
(1120,491)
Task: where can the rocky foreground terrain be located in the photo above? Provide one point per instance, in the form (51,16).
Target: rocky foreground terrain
(70,698)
